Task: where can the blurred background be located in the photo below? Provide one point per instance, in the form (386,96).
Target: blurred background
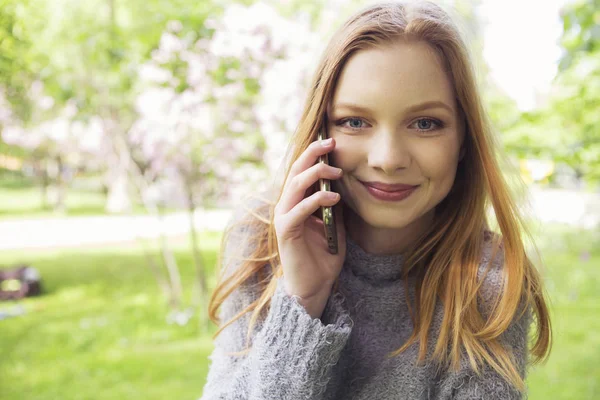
(129,129)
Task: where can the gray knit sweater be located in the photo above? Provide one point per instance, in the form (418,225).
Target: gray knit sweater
(342,355)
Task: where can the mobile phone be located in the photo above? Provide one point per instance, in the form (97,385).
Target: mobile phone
(327,213)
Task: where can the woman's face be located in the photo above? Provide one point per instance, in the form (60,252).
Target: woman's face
(406,131)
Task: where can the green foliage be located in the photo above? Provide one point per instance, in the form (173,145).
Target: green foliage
(15,43)
(502,110)
(567,128)
(577,107)
(581,30)
(88,51)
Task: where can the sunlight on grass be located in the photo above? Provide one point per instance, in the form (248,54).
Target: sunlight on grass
(27,201)
(572,262)
(99,331)
(22,198)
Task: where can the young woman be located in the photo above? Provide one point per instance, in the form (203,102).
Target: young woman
(422,299)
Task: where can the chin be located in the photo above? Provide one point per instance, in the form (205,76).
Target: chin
(386,219)
(378,216)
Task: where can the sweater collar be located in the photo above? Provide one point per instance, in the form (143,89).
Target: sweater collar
(372,267)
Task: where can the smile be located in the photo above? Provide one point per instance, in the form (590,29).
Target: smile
(397,195)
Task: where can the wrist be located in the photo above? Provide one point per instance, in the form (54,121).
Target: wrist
(315,305)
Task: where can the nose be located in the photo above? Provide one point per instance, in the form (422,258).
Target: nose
(388,152)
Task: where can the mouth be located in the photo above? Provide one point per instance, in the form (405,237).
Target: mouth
(389,187)
(389,192)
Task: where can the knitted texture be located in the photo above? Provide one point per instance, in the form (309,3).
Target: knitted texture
(343,355)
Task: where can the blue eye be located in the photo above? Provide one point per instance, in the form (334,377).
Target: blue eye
(343,121)
(425,124)
(420,124)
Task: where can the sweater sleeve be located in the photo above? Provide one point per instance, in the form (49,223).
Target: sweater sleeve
(292,354)
(465,384)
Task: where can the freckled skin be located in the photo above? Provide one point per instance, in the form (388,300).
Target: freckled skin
(387,145)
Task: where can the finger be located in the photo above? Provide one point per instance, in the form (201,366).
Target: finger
(298,187)
(309,157)
(296,217)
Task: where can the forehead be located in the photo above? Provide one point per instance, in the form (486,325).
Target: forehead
(403,73)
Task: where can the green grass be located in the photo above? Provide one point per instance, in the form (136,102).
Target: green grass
(572,259)
(19,200)
(100,332)
(21,197)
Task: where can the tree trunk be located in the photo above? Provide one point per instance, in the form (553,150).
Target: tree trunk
(175,289)
(61,186)
(42,173)
(118,200)
(162,282)
(172,269)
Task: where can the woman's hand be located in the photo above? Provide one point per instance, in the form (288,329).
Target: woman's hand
(309,269)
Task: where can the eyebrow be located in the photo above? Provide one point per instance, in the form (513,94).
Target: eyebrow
(417,107)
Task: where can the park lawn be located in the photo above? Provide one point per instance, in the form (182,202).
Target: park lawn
(20,197)
(572,278)
(100,332)
(25,200)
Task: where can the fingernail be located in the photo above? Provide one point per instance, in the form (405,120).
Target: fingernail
(326,142)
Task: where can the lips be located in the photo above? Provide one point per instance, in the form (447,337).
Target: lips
(386,187)
(397,195)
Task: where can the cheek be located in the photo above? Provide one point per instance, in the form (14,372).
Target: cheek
(346,155)
(437,161)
